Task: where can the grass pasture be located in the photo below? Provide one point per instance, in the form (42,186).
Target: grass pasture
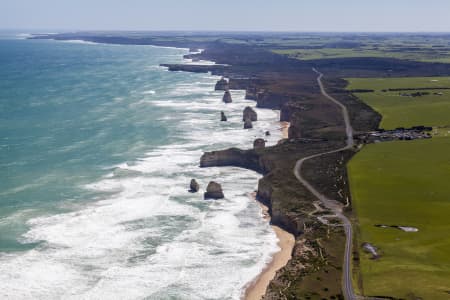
(416,83)
(417,52)
(400,110)
(406,184)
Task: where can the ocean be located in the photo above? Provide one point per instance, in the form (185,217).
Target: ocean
(98,144)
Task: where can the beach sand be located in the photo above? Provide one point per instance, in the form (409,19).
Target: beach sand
(285,129)
(258,287)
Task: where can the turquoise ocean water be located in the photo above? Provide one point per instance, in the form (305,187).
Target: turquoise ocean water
(97,148)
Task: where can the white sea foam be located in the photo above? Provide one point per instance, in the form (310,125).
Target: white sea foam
(23,36)
(148,237)
(199,62)
(80,42)
(149,92)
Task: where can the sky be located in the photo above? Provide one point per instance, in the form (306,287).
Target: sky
(228,15)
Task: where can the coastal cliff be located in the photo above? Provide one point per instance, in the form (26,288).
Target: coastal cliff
(267,99)
(214,69)
(247,159)
(316,127)
(257,160)
(222,85)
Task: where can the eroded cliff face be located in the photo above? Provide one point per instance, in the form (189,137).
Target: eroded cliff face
(268,99)
(288,109)
(268,192)
(249,114)
(222,85)
(251,93)
(295,128)
(247,159)
(269,195)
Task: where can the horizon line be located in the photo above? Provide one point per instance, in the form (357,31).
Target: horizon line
(62,31)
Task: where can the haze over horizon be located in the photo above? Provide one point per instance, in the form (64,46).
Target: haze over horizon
(233,15)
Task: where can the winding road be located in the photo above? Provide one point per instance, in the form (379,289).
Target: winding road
(333,205)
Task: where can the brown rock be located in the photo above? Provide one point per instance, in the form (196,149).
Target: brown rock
(295,129)
(259,144)
(233,157)
(194,186)
(288,109)
(214,191)
(250,93)
(222,85)
(227,97)
(248,124)
(249,113)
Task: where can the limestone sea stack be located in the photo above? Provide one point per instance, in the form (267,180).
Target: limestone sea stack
(249,113)
(259,144)
(194,186)
(248,124)
(223,118)
(222,85)
(227,97)
(213,191)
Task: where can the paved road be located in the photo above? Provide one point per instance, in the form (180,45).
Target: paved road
(333,205)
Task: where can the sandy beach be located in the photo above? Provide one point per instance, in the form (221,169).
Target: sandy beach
(285,129)
(258,287)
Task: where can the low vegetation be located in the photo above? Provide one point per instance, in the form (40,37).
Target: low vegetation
(406,102)
(406,83)
(422,55)
(405,47)
(404,184)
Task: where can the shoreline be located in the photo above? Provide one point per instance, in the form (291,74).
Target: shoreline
(256,289)
(285,129)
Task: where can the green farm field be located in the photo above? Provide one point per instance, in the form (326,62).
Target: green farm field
(399,83)
(404,184)
(401,110)
(420,52)
(426,54)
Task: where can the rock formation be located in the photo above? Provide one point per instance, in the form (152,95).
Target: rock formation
(288,109)
(251,93)
(267,99)
(268,193)
(248,124)
(214,191)
(223,118)
(227,97)
(259,144)
(250,114)
(222,85)
(194,186)
(248,159)
(214,69)
(295,129)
